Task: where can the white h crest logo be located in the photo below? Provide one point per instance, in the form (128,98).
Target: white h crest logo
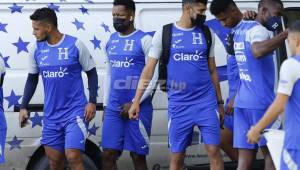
(61,52)
(197,38)
(275,25)
(128,46)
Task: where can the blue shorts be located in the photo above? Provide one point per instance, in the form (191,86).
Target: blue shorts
(229,122)
(243,120)
(183,118)
(123,134)
(65,135)
(3,130)
(228,119)
(290,159)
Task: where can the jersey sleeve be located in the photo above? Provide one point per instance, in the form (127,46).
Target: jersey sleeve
(33,67)
(212,48)
(85,58)
(289,74)
(257,33)
(146,44)
(156,45)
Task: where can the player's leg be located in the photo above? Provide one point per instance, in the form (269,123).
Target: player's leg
(75,136)
(74,159)
(269,165)
(136,138)
(215,158)
(209,125)
(246,157)
(242,123)
(227,144)
(180,127)
(56,158)
(177,161)
(139,161)
(109,159)
(53,142)
(227,138)
(112,143)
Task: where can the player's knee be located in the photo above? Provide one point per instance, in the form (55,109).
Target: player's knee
(213,151)
(109,155)
(56,163)
(73,157)
(177,157)
(137,157)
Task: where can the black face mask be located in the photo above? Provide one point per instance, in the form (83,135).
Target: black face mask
(273,23)
(121,25)
(199,20)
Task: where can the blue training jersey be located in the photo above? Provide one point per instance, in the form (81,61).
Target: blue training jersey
(257,76)
(60,66)
(289,84)
(189,80)
(126,56)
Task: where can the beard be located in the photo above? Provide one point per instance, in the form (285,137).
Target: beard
(43,39)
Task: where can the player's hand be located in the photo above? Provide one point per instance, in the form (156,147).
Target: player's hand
(23,117)
(249,15)
(134,110)
(253,135)
(90,111)
(221,115)
(124,110)
(229,108)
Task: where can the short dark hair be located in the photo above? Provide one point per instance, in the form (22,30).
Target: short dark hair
(184,2)
(268,2)
(129,4)
(45,14)
(295,26)
(219,6)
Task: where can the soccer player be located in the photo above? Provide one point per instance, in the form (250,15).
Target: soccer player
(233,80)
(60,59)
(126,52)
(225,36)
(193,89)
(253,48)
(3,126)
(288,100)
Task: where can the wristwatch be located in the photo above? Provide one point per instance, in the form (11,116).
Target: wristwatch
(220,102)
